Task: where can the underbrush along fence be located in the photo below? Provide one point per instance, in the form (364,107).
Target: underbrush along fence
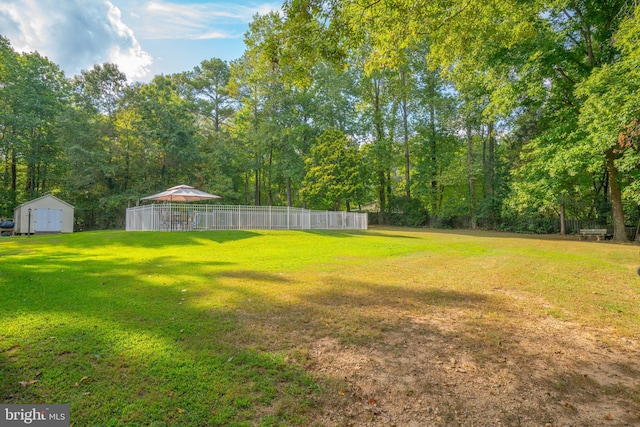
(184,217)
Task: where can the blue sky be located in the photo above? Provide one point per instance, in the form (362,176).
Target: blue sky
(144,37)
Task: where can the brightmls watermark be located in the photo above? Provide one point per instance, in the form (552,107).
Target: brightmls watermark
(34,415)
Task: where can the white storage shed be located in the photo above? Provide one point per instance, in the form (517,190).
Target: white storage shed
(46,214)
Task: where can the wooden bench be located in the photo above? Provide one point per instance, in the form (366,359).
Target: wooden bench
(598,233)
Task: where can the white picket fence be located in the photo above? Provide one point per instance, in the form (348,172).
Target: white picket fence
(185,217)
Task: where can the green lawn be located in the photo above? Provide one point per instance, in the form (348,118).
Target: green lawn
(214,328)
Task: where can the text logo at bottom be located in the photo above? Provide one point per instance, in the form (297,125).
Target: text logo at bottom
(34,415)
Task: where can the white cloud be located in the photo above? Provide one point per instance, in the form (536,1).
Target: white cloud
(165,20)
(216,35)
(130,57)
(75,34)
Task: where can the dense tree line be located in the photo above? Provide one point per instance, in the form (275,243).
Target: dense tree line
(463,112)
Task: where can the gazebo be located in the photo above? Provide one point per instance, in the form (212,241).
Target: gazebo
(182,194)
(175,214)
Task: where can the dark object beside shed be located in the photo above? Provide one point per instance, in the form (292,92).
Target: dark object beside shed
(6,227)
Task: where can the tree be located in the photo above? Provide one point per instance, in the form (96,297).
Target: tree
(611,116)
(273,121)
(335,174)
(33,92)
(577,40)
(206,92)
(8,150)
(531,57)
(167,130)
(209,93)
(102,163)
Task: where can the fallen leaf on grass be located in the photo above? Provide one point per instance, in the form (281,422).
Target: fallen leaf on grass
(180,410)
(26,383)
(81,379)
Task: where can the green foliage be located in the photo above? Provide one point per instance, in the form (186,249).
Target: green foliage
(335,174)
(208,91)
(33,92)
(530,224)
(467,111)
(611,109)
(407,212)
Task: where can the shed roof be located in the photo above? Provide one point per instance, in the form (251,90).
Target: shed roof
(45,196)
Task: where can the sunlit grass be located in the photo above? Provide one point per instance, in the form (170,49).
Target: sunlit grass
(211,328)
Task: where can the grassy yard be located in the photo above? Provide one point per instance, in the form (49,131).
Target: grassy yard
(222,328)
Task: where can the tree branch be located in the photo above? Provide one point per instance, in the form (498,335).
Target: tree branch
(447,19)
(564,75)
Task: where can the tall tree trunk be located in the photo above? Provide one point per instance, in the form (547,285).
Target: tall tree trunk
(163,170)
(472,180)
(432,143)
(257,188)
(216,115)
(258,152)
(6,175)
(43,178)
(484,155)
(270,165)
(491,172)
(563,219)
(407,162)
(127,164)
(289,195)
(492,160)
(246,188)
(14,172)
(619,231)
(379,128)
(638,226)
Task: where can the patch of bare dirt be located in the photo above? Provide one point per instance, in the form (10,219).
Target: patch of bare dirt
(442,370)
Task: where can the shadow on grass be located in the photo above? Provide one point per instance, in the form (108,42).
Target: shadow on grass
(407,332)
(158,239)
(256,276)
(480,233)
(125,349)
(146,239)
(357,233)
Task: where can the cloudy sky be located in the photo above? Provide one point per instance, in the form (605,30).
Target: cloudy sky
(144,37)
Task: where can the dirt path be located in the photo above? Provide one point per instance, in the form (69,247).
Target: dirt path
(437,370)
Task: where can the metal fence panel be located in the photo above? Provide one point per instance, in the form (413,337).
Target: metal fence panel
(186,217)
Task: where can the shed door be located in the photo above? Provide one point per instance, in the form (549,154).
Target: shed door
(47,220)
